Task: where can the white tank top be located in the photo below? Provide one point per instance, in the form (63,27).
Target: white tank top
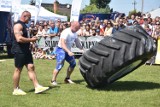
(69,37)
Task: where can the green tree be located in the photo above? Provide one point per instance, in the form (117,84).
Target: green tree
(100,3)
(93,9)
(134,12)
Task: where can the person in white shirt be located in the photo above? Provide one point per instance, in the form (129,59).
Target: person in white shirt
(63,51)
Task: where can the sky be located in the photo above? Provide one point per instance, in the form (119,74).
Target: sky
(122,6)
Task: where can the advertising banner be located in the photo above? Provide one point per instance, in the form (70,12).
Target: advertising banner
(5,5)
(157,61)
(37,9)
(75,10)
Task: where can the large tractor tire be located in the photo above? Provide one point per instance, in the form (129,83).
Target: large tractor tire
(116,56)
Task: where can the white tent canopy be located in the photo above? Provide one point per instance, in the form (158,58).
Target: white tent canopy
(155,13)
(44,14)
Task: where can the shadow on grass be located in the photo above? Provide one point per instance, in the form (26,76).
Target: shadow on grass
(78,81)
(129,86)
(50,87)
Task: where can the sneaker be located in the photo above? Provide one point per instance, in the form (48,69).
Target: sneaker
(54,83)
(68,80)
(40,89)
(18,91)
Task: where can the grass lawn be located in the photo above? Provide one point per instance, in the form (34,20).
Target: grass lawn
(141,88)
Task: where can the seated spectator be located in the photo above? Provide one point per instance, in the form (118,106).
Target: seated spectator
(109,29)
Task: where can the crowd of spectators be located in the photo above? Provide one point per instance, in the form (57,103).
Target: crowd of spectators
(95,27)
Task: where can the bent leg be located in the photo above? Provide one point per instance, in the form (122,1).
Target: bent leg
(72,62)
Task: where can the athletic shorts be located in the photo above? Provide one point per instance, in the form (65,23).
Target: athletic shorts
(61,56)
(22,59)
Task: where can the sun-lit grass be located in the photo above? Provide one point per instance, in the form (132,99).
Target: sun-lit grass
(141,88)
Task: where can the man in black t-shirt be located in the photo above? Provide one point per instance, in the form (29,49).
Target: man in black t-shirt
(23,56)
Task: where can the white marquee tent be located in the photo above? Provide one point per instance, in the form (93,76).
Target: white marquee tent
(44,14)
(155,13)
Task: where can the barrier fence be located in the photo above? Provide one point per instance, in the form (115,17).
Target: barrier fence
(87,43)
(52,42)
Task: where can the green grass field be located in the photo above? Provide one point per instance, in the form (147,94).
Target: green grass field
(141,88)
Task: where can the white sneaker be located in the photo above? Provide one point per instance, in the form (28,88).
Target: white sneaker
(69,81)
(54,83)
(18,91)
(40,89)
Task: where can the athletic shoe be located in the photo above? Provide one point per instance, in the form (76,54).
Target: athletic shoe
(54,83)
(40,89)
(69,81)
(18,91)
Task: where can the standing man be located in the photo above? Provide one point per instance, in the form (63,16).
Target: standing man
(63,52)
(23,56)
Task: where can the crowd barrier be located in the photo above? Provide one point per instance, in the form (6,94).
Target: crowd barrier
(87,42)
(51,42)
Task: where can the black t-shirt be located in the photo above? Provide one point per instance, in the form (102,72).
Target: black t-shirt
(21,47)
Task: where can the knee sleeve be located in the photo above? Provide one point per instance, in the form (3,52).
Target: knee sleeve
(73,64)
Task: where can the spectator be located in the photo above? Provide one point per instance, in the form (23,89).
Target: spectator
(121,25)
(41,31)
(115,28)
(156,32)
(87,31)
(45,26)
(109,29)
(94,33)
(52,31)
(80,31)
(148,30)
(132,18)
(31,29)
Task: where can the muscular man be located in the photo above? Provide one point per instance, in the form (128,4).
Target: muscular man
(23,56)
(63,52)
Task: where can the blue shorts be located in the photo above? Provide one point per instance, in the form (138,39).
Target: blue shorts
(61,56)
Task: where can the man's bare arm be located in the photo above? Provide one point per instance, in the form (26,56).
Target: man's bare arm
(78,43)
(18,35)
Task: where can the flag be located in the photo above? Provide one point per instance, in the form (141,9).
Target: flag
(5,5)
(75,10)
(37,9)
(15,9)
(157,61)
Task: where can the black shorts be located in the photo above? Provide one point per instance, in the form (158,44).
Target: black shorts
(21,59)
